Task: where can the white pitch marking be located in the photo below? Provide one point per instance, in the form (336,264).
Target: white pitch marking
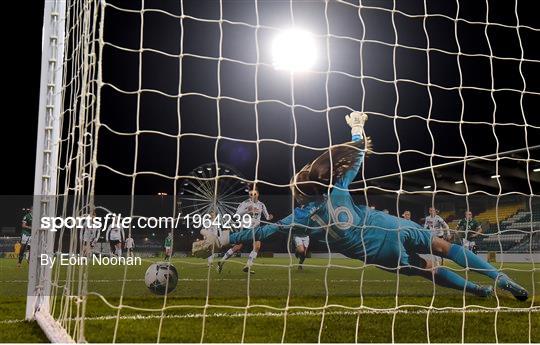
(301,313)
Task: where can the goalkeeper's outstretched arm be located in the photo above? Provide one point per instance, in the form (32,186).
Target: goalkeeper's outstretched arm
(356,121)
(337,167)
(298,219)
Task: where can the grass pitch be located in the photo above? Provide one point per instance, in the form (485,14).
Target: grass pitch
(337,301)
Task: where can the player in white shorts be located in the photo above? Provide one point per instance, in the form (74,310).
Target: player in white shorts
(130,244)
(301,244)
(115,236)
(89,235)
(437,226)
(255,208)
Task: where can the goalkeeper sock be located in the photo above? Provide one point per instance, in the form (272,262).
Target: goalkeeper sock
(227,255)
(251,258)
(466,258)
(445,277)
(119,252)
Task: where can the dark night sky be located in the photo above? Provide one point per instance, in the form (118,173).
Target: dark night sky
(20,99)
(198,114)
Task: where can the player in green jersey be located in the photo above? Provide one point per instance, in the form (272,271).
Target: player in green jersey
(26,235)
(471,230)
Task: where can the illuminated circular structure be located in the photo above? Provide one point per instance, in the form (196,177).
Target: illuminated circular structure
(212,188)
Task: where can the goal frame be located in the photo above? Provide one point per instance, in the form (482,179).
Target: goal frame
(47,151)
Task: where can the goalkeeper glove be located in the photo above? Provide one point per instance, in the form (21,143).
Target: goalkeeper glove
(356,121)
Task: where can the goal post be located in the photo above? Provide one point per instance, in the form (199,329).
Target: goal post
(46,169)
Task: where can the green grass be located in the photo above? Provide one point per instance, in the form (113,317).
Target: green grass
(344,302)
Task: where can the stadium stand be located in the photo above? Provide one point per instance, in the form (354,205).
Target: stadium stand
(514,233)
(499,214)
(7,244)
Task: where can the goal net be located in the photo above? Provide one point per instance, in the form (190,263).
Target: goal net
(153,108)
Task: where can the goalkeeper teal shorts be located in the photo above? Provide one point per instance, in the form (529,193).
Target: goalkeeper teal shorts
(402,248)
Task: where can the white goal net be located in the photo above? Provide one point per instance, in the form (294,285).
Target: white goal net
(162,108)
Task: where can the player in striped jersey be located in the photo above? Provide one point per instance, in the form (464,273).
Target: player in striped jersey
(254,208)
(437,226)
(115,236)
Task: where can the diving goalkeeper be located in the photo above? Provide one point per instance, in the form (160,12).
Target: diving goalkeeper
(327,210)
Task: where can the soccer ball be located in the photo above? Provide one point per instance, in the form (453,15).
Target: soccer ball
(158,274)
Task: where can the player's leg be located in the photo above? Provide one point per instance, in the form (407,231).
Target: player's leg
(25,241)
(112,248)
(118,249)
(28,248)
(442,276)
(467,259)
(301,252)
(252,256)
(168,253)
(399,251)
(228,254)
(84,249)
(302,244)
(22,252)
(440,257)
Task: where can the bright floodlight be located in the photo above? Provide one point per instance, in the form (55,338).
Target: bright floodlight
(294,50)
